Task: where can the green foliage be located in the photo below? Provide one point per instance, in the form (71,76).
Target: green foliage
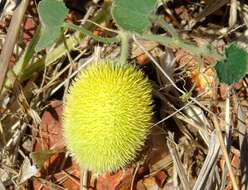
(107,116)
(52,14)
(133,15)
(26,56)
(234,67)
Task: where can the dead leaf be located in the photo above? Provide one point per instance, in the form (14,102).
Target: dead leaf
(51,132)
(150,183)
(27,170)
(118,181)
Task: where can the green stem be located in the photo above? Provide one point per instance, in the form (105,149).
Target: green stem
(178,43)
(86,32)
(175,41)
(166,26)
(124,36)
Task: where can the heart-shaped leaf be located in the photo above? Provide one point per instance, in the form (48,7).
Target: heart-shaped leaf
(52,14)
(234,67)
(133,15)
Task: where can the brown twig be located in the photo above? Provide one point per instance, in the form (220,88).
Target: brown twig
(225,153)
(11,38)
(84,179)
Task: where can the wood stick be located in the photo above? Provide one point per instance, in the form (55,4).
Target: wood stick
(11,38)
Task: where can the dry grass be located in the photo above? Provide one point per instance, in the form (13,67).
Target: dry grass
(198,138)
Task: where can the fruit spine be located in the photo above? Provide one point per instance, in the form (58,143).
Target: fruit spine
(107,116)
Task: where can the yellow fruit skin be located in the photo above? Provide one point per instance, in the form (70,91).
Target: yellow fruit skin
(107,116)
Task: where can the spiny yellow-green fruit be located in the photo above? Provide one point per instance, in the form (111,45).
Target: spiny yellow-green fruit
(107,116)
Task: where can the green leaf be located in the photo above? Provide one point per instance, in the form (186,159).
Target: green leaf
(52,14)
(234,67)
(133,15)
(27,55)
